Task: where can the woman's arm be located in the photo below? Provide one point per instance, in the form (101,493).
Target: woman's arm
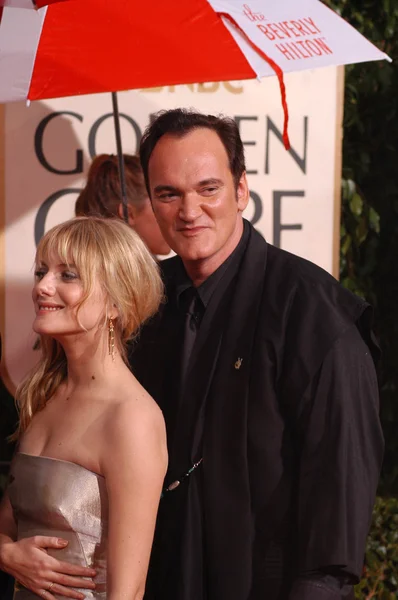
(27,560)
(134,462)
(8,527)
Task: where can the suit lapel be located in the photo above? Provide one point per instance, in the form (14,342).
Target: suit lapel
(203,362)
(226,489)
(234,364)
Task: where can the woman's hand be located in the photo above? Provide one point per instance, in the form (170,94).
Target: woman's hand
(29,563)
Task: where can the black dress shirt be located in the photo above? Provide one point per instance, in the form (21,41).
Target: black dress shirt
(192,302)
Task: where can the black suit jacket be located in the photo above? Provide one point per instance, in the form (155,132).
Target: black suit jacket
(292,445)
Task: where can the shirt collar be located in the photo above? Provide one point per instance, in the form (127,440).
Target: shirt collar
(207,288)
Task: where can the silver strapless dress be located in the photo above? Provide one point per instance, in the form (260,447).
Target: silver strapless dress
(57,498)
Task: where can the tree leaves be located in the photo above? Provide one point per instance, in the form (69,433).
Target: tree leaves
(369,249)
(369,231)
(381,563)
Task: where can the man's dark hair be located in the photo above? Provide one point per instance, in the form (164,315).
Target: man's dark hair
(180,121)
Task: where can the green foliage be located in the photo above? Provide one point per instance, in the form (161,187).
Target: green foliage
(369,248)
(360,229)
(381,566)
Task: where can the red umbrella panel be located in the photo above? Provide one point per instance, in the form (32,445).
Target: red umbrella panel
(77,47)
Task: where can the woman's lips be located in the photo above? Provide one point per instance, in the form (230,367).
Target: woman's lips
(48,308)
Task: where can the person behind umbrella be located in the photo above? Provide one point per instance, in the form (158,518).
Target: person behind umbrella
(86,480)
(101,196)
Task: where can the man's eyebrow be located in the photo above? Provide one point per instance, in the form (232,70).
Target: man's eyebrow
(164,188)
(170,188)
(211,181)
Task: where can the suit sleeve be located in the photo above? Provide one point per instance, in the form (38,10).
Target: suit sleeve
(341,455)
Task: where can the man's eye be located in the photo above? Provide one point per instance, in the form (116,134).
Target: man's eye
(167,196)
(209,190)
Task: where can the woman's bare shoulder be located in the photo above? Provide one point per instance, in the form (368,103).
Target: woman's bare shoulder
(133,423)
(133,400)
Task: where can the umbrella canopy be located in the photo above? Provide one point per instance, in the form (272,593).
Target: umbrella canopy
(74,47)
(86,46)
(26,3)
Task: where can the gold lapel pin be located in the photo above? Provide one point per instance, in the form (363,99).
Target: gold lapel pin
(238,363)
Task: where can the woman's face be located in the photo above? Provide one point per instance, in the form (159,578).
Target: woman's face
(56,294)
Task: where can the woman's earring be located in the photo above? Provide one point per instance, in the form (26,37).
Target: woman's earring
(111,339)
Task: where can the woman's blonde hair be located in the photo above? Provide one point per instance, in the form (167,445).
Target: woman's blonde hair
(104,250)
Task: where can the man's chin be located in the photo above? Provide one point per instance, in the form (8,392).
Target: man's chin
(197,248)
(193,254)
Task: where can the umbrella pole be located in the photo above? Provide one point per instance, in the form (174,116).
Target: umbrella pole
(122,176)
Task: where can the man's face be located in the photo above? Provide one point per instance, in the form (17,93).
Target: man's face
(194,197)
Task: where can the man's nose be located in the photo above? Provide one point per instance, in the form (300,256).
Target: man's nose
(190,207)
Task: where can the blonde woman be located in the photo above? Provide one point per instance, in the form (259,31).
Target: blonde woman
(86,481)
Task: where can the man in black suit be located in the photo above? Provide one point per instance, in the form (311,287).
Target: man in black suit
(264,368)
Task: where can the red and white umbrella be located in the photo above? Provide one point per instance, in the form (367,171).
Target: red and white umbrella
(72,47)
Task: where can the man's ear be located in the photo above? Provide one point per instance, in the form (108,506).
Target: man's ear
(130,214)
(242,193)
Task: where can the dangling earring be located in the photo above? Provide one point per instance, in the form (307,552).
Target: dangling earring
(111,339)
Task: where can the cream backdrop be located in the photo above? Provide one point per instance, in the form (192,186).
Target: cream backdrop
(48,146)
